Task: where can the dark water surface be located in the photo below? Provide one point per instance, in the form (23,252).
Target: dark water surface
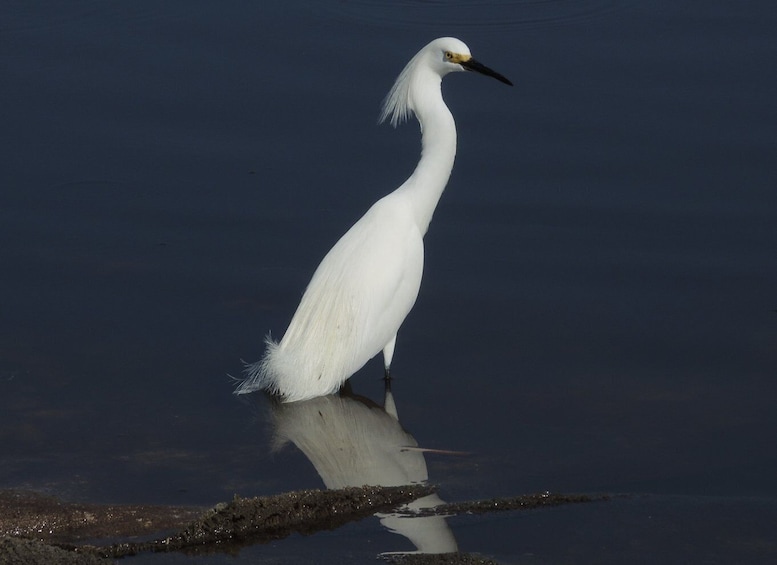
(598,307)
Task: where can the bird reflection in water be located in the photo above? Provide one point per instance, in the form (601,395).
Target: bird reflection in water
(352,441)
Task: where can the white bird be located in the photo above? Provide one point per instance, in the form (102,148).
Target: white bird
(368,282)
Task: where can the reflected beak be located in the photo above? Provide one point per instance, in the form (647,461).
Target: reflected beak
(473,65)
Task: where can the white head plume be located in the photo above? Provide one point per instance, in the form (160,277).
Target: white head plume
(398,104)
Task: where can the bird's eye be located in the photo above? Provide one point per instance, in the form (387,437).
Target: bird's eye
(448,55)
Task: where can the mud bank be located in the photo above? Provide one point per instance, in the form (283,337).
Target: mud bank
(46,518)
(41,529)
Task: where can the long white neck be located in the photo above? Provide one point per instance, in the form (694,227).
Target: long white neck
(438,151)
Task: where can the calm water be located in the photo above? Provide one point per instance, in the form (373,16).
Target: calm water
(598,307)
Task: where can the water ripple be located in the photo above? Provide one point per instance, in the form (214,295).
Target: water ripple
(501,14)
(21,17)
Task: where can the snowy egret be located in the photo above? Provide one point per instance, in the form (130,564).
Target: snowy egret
(366,285)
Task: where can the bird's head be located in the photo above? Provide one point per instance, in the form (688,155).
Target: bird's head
(437,59)
(449,54)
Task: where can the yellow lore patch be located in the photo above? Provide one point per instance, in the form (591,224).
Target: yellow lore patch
(457,57)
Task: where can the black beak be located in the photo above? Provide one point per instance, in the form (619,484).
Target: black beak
(473,65)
